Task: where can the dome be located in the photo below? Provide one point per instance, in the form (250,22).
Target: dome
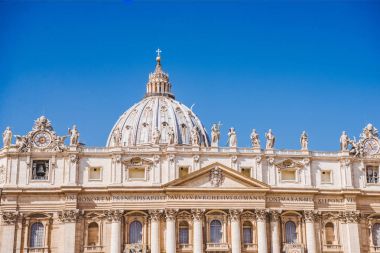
(158,119)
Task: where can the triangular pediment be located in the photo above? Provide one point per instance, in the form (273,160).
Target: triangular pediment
(217,176)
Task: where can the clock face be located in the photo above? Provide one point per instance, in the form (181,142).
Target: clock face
(41,139)
(371,146)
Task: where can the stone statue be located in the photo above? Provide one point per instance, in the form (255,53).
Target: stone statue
(171,135)
(7,137)
(21,143)
(304,141)
(232,139)
(369,132)
(59,143)
(74,136)
(194,136)
(344,141)
(215,135)
(255,139)
(116,137)
(156,136)
(270,139)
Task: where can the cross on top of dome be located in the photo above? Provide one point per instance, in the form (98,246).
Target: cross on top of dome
(158,83)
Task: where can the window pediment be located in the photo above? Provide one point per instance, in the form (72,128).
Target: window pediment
(289,164)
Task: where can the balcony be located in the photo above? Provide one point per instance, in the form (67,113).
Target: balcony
(135,248)
(93,249)
(36,250)
(217,247)
(184,247)
(249,247)
(333,248)
(374,249)
(294,248)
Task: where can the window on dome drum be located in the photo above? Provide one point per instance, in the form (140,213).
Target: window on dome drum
(288,175)
(326,177)
(290,232)
(183,171)
(93,234)
(372,173)
(183,232)
(94,173)
(136,174)
(40,170)
(376,234)
(36,239)
(246,172)
(135,232)
(216,233)
(247,232)
(329,231)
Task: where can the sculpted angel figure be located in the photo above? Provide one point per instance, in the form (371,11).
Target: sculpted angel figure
(215,135)
(344,141)
(194,136)
(171,136)
(74,136)
(156,136)
(7,137)
(116,137)
(270,139)
(304,141)
(232,139)
(21,143)
(255,139)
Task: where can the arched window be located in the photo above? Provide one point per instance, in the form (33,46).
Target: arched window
(135,232)
(376,234)
(247,232)
(216,231)
(37,235)
(183,232)
(291,232)
(93,234)
(330,235)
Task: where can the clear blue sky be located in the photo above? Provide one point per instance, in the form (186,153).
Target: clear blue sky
(285,65)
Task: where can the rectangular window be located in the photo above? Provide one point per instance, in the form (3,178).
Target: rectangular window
(183,171)
(246,172)
(94,173)
(326,177)
(40,170)
(136,173)
(372,173)
(288,175)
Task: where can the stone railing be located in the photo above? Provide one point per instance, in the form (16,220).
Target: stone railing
(135,248)
(332,248)
(185,247)
(93,249)
(249,247)
(217,247)
(293,247)
(36,250)
(374,249)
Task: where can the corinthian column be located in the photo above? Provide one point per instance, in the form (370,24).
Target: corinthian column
(262,231)
(275,231)
(155,216)
(8,228)
(197,226)
(310,232)
(235,230)
(350,227)
(115,217)
(170,230)
(69,218)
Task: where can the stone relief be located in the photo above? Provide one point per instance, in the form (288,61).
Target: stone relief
(9,218)
(3,174)
(216,177)
(68,216)
(368,144)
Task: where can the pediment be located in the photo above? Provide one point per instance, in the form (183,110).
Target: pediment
(289,164)
(216,176)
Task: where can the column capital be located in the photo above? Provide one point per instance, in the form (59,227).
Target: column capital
(261,214)
(170,214)
(114,215)
(9,218)
(197,214)
(155,214)
(235,214)
(349,216)
(68,216)
(275,215)
(310,215)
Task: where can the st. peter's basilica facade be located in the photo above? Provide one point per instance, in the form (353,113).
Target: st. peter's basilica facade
(163,184)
